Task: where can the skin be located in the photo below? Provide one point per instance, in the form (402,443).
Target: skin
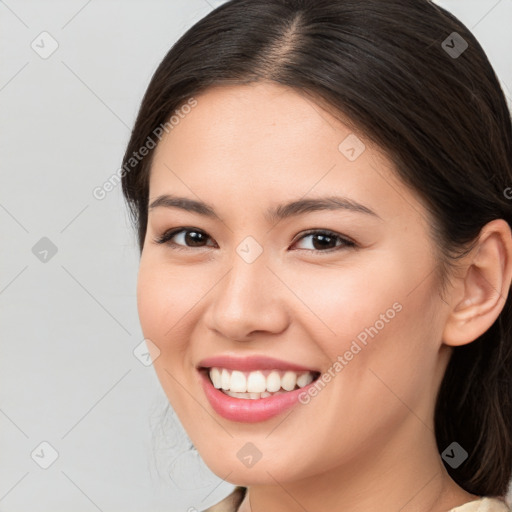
(366,441)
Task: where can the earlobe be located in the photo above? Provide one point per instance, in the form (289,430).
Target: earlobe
(480,294)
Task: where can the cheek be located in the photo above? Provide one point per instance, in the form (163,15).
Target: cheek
(340,303)
(163,301)
(378,317)
(164,297)
(395,345)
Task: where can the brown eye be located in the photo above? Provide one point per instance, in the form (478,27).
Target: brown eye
(325,241)
(322,241)
(184,238)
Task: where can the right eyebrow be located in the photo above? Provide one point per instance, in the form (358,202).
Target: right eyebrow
(183,203)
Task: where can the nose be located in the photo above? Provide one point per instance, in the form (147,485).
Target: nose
(248,300)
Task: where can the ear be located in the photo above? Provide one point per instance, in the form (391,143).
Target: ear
(478,297)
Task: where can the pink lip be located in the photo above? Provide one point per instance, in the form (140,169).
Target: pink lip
(248,410)
(250,363)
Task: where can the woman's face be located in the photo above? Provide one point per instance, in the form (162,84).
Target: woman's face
(240,283)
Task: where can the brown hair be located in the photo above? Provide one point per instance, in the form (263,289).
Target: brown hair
(405,81)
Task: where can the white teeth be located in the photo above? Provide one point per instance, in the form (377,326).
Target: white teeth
(273,382)
(255,384)
(216,377)
(304,379)
(238,382)
(238,395)
(252,396)
(225,379)
(289,380)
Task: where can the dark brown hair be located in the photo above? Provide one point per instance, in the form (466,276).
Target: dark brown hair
(390,67)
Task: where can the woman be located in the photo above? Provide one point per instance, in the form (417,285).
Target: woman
(320,193)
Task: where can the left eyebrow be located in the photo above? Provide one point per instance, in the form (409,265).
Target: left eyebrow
(301,206)
(273,214)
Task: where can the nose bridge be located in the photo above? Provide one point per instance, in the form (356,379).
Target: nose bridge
(245,288)
(247,298)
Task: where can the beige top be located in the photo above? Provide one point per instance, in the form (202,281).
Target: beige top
(483,504)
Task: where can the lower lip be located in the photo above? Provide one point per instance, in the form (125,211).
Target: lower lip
(249,410)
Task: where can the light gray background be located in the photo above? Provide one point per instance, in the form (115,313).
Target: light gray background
(69,324)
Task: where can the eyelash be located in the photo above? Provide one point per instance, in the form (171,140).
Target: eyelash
(346,242)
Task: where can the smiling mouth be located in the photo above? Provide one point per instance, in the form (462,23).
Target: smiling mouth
(258,384)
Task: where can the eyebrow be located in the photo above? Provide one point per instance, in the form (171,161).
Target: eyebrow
(273,214)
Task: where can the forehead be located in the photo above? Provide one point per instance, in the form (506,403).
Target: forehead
(272,142)
(243,116)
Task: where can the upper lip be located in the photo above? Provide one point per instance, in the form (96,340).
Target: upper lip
(251,363)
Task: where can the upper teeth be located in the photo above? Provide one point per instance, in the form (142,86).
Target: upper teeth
(258,381)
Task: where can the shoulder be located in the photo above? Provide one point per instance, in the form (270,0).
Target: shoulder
(231,502)
(484,504)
